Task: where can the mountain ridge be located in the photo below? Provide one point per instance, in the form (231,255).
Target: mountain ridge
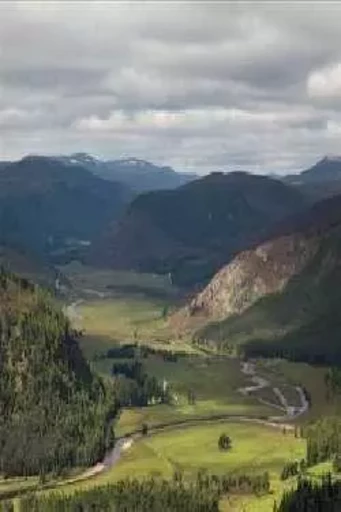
(190,231)
(43,204)
(282,293)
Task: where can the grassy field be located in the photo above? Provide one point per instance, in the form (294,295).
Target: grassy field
(123,307)
(123,320)
(214,382)
(255,449)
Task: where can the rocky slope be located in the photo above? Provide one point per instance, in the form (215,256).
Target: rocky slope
(286,289)
(191,231)
(251,275)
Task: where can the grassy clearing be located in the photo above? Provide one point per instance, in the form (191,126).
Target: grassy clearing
(94,281)
(214,382)
(123,307)
(8,485)
(123,319)
(255,449)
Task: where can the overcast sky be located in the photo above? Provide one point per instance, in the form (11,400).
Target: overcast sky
(199,86)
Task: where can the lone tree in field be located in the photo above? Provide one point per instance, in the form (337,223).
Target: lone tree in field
(224,442)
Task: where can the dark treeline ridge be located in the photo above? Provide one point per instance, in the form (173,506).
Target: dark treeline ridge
(133,386)
(132,351)
(306,343)
(309,496)
(53,411)
(151,495)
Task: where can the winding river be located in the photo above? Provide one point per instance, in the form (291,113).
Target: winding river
(289,413)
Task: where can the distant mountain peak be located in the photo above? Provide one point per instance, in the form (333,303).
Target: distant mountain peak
(331,158)
(134,161)
(84,158)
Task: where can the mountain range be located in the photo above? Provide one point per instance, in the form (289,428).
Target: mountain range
(132,214)
(138,175)
(191,231)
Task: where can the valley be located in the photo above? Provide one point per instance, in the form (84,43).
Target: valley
(259,406)
(170,256)
(166,369)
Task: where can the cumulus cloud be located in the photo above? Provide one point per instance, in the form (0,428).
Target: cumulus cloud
(200,86)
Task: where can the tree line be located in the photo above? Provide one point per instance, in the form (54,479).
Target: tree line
(151,495)
(134,387)
(323,440)
(133,351)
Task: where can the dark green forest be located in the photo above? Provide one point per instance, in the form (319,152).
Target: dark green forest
(311,496)
(54,412)
(152,495)
(133,386)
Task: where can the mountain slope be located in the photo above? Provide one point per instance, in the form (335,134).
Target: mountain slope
(53,409)
(46,205)
(191,231)
(322,180)
(139,175)
(285,290)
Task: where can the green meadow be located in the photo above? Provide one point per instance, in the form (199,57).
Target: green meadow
(115,308)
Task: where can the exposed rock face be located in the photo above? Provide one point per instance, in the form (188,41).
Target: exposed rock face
(252,275)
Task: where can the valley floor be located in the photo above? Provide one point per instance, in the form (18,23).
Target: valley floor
(259,405)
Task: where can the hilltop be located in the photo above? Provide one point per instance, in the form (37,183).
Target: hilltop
(191,231)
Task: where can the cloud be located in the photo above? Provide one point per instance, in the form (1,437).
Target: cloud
(200,86)
(326,82)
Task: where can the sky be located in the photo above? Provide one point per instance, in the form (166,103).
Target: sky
(200,86)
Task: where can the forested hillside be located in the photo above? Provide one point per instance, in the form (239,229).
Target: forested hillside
(53,411)
(191,231)
(49,208)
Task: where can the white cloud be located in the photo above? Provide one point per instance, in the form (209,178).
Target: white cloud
(326,82)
